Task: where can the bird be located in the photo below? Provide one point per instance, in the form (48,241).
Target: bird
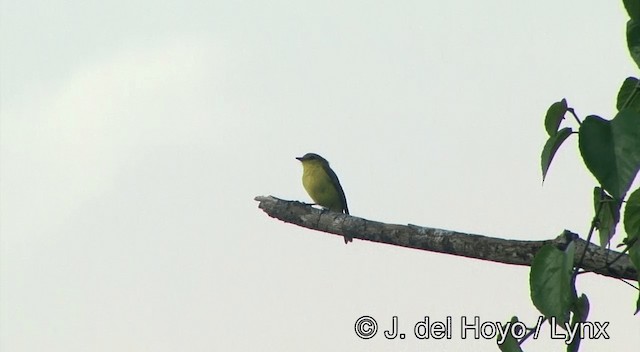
(323,185)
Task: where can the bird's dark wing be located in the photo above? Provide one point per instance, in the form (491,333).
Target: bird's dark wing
(336,182)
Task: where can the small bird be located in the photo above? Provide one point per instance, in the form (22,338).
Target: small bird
(322,185)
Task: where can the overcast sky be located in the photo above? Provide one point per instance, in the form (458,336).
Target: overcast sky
(135,134)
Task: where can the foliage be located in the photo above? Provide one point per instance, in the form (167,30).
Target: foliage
(610,149)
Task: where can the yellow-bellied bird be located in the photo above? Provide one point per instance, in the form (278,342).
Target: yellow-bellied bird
(322,184)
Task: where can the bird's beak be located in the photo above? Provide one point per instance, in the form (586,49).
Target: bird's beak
(299,158)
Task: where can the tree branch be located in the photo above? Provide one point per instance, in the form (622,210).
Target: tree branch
(443,241)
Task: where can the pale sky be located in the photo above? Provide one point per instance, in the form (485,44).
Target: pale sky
(135,134)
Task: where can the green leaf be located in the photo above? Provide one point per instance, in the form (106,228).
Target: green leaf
(633,39)
(609,215)
(554,116)
(581,309)
(510,343)
(550,281)
(551,147)
(632,228)
(611,150)
(632,216)
(629,94)
(633,8)
(580,312)
(634,254)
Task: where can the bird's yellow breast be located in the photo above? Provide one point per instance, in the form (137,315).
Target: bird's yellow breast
(319,185)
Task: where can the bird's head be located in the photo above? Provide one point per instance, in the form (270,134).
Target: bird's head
(312,158)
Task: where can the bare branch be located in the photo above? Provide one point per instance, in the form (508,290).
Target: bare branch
(443,241)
